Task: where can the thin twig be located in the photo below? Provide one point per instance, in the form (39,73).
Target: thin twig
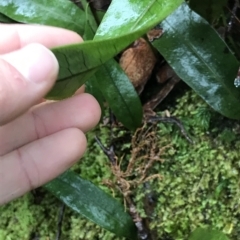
(138,221)
(109,152)
(233,16)
(142,231)
(172,120)
(162,94)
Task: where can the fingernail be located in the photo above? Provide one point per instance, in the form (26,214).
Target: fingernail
(35,62)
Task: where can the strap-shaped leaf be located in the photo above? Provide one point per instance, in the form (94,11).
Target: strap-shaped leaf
(59,13)
(120,94)
(85,198)
(202,59)
(114,84)
(118,29)
(111,38)
(128,16)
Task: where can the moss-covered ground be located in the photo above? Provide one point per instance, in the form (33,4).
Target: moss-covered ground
(199,184)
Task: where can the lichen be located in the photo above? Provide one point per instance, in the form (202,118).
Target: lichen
(200,184)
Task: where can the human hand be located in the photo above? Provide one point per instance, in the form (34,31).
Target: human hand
(37,142)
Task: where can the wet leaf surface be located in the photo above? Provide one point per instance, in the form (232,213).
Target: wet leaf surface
(58,13)
(111,82)
(85,198)
(117,30)
(77,61)
(201,58)
(120,94)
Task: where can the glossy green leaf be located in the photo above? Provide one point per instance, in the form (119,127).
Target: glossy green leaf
(128,16)
(113,36)
(93,203)
(120,94)
(207,234)
(115,86)
(201,58)
(59,13)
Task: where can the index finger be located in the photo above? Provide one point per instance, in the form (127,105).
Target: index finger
(16,36)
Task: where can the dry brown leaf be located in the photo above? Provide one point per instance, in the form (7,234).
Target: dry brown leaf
(164,73)
(138,62)
(154,34)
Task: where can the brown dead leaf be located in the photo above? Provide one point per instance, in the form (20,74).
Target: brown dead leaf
(138,62)
(164,73)
(154,34)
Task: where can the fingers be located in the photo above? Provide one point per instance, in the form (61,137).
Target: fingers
(81,111)
(39,162)
(16,36)
(29,72)
(25,76)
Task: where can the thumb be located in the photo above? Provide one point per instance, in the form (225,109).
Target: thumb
(26,75)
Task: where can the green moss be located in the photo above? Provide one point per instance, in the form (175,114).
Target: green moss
(200,185)
(201,181)
(24,218)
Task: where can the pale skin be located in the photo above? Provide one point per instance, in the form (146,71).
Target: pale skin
(37,141)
